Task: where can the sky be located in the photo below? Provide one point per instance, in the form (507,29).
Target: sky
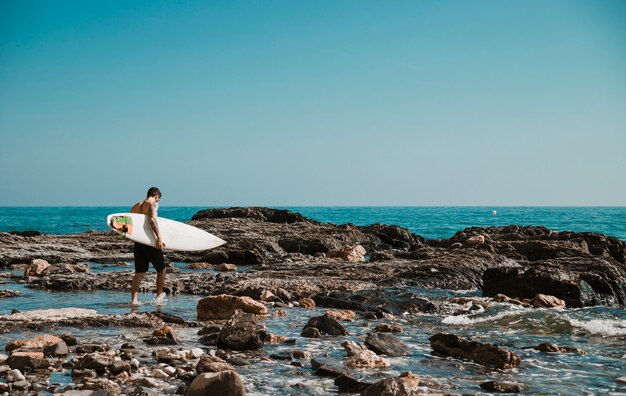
(304,103)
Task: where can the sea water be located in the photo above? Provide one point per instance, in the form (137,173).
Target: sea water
(601,331)
(429,222)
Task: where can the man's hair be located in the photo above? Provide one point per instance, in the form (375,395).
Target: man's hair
(153,192)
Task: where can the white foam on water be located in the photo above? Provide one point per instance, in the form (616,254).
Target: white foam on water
(603,327)
(471,319)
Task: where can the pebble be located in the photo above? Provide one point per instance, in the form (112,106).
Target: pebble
(17,375)
(134,363)
(158,373)
(169,370)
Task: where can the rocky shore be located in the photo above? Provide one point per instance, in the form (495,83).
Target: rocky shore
(351,273)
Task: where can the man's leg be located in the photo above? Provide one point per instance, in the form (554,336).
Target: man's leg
(134,290)
(160,282)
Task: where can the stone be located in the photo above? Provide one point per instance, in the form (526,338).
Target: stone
(386,344)
(352,348)
(165,331)
(275,339)
(329,367)
(327,325)
(23,362)
(311,332)
(69,339)
(388,328)
(199,266)
(224,306)
(39,342)
(307,302)
(366,359)
(120,366)
(549,347)
(58,349)
(501,387)
(545,301)
(242,333)
(405,385)
(21,385)
(475,240)
(226,267)
(158,373)
(349,384)
(169,370)
(17,375)
(222,383)
(95,361)
(91,348)
(354,254)
(345,314)
(36,267)
(485,354)
(267,295)
(212,364)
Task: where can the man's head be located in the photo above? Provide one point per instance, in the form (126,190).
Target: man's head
(154,192)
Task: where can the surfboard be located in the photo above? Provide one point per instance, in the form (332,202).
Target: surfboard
(176,235)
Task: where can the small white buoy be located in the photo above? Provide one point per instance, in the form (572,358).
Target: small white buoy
(493,212)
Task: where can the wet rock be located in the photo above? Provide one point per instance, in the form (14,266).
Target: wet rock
(64,269)
(349,384)
(21,385)
(37,343)
(241,333)
(223,307)
(366,359)
(36,267)
(485,354)
(120,366)
(377,301)
(91,348)
(307,303)
(165,331)
(311,332)
(221,383)
(544,301)
(68,338)
(95,361)
(212,364)
(327,325)
(475,240)
(58,349)
(501,387)
(394,236)
(342,315)
(199,266)
(552,348)
(23,362)
(405,385)
(226,267)
(258,213)
(352,348)
(388,328)
(329,367)
(9,293)
(386,344)
(15,375)
(354,254)
(275,339)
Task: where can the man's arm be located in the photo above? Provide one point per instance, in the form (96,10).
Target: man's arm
(152,215)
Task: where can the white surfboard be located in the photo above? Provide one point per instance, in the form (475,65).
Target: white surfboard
(175,235)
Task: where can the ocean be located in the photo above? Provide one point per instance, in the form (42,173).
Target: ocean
(429,222)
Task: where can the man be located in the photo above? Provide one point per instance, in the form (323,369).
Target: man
(145,254)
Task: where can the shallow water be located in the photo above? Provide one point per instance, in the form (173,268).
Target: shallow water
(599,330)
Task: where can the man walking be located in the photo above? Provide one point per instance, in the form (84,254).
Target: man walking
(145,254)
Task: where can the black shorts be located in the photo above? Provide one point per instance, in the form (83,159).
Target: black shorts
(145,254)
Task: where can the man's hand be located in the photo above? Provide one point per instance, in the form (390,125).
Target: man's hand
(159,244)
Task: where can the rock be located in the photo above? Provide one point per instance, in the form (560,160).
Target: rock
(64,269)
(342,315)
(223,307)
(405,385)
(327,325)
(169,370)
(36,267)
(386,344)
(307,303)
(241,333)
(388,328)
(120,366)
(329,367)
(68,338)
(349,384)
(552,348)
(58,349)
(475,240)
(21,385)
(311,332)
(134,363)
(199,266)
(9,293)
(95,361)
(485,354)
(226,267)
(17,375)
(165,331)
(544,301)
(275,339)
(352,348)
(91,348)
(26,233)
(267,295)
(221,383)
(158,373)
(263,214)
(366,359)
(396,303)
(354,254)
(501,387)
(212,364)
(23,362)
(39,343)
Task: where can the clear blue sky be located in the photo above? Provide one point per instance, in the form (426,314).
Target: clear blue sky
(313,102)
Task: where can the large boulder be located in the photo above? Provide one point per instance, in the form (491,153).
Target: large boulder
(224,306)
(242,333)
(227,383)
(485,354)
